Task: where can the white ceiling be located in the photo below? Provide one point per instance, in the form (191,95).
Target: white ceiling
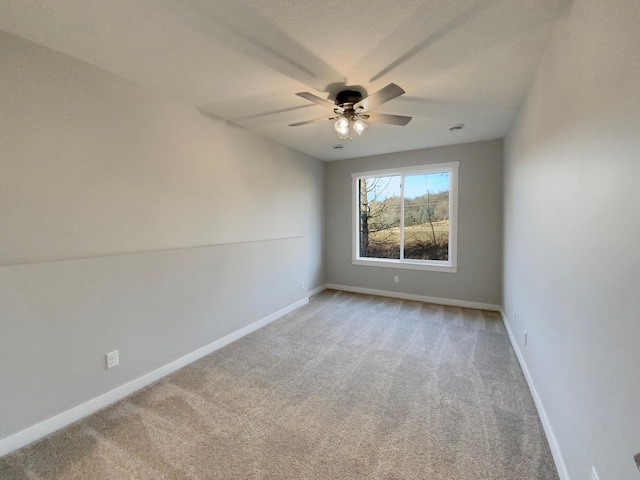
(460,61)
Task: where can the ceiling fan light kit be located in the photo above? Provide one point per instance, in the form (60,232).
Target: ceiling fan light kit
(342,127)
(352,109)
(359,126)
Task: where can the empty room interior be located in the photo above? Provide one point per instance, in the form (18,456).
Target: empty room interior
(320,239)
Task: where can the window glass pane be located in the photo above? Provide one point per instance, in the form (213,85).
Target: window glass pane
(380,217)
(426,216)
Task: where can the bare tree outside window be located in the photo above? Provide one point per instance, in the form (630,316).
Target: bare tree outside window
(380,217)
(426,217)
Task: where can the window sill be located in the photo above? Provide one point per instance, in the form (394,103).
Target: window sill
(404,264)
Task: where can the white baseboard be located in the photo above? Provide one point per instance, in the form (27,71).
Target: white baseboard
(418,298)
(542,413)
(317,290)
(44,428)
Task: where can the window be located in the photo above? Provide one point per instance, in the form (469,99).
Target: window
(406,217)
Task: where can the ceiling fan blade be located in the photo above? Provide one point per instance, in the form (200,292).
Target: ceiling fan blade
(383,95)
(388,118)
(311,121)
(316,99)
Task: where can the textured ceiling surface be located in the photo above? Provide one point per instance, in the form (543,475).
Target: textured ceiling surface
(460,61)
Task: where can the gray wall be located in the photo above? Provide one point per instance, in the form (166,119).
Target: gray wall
(479,225)
(572,236)
(95,174)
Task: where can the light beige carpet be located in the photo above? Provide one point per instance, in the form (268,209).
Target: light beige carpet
(347,387)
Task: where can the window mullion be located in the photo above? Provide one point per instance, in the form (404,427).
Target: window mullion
(401,218)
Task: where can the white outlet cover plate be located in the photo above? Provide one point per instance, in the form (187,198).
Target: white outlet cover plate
(112,359)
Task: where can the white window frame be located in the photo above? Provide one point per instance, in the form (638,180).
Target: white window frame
(449,266)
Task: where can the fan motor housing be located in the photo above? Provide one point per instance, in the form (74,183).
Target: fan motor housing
(348,96)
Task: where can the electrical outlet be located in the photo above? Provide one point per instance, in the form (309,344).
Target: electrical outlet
(302,285)
(396,279)
(526,337)
(594,474)
(112,359)
(514,318)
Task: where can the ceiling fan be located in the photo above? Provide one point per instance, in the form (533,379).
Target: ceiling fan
(352,109)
